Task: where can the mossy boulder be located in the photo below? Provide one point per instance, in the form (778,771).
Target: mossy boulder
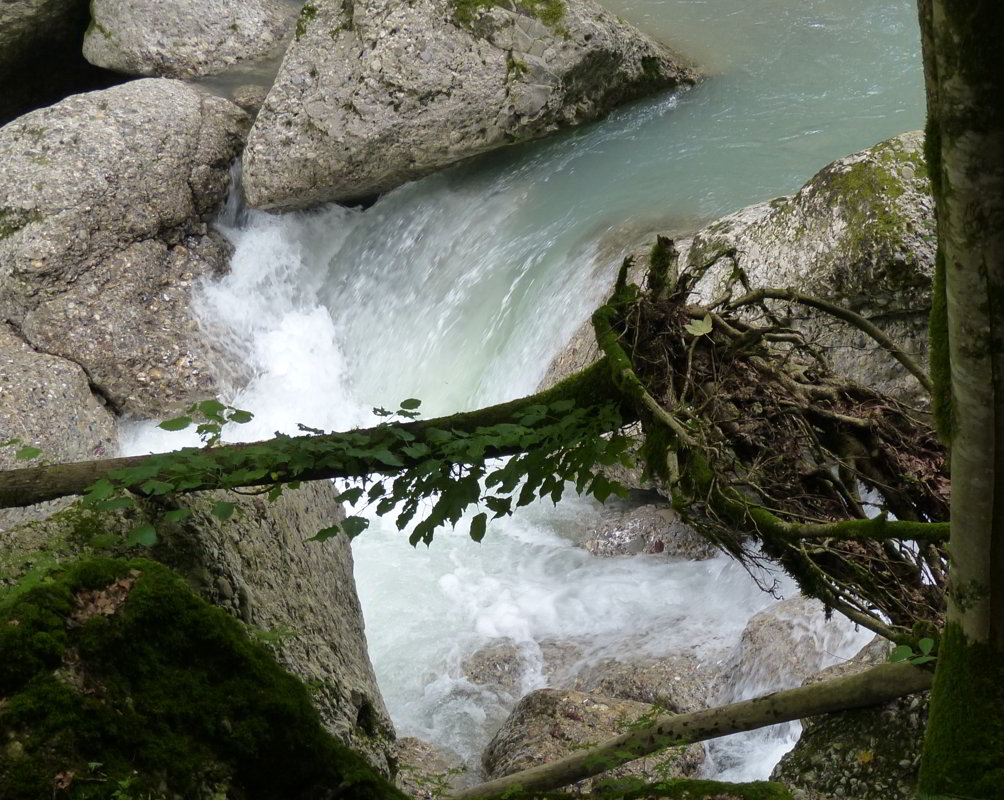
(117,681)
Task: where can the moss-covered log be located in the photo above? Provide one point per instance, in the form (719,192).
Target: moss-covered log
(878,685)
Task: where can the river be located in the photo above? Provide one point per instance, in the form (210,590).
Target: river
(460,288)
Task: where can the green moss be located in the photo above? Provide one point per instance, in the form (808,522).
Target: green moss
(964,746)
(550,12)
(307,13)
(167,693)
(939,357)
(13,220)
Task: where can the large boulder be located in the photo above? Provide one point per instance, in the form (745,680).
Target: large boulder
(300,596)
(183,38)
(374,93)
(104,204)
(117,681)
(551,723)
(679,684)
(654,529)
(860,234)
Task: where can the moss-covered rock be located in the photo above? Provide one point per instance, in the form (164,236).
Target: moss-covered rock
(117,681)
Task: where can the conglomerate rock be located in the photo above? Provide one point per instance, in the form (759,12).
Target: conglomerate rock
(183,38)
(551,723)
(104,203)
(374,93)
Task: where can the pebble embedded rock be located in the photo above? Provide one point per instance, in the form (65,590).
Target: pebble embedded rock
(104,204)
(551,723)
(374,93)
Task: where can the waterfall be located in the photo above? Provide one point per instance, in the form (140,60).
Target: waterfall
(459,289)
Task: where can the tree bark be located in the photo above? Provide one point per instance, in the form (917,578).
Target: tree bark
(875,686)
(964,747)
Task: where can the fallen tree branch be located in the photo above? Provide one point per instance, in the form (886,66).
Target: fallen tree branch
(875,686)
(845,314)
(25,487)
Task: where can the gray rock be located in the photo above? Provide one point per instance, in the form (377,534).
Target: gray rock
(679,684)
(860,233)
(551,723)
(869,754)
(652,529)
(104,199)
(374,93)
(183,38)
(500,664)
(46,402)
(298,596)
(426,772)
(780,647)
(250,97)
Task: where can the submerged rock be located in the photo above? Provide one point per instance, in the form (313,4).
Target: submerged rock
(104,204)
(183,38)
(118,681)
(374,93)
(551,723)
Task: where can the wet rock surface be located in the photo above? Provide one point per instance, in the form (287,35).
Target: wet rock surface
(375,93)
(654,529)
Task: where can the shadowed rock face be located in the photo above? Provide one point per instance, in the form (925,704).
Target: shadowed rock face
(40,58)
(183,38)
(374,93)
(104,203)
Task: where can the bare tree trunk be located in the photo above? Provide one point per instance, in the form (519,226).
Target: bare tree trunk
(964,751)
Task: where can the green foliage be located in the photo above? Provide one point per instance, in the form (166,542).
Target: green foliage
(163,690)
(401,466)
(922,655)
(213,414)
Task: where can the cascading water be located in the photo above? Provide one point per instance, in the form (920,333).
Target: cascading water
(459,289)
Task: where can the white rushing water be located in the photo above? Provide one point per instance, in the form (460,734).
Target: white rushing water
(459,289)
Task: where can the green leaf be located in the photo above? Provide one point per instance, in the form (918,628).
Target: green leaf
(224,510)
(350,496)
(98,490)
(177,514)
(176,424)
(241,417)
(27,453)
(155,487)
(145,535)
(921,660)
(325,533)
(699,327)
(212,409)
(926,646)
(411,403)
(387,457)
(308,429)
(416,450)
(353,526)
(901,653)
(114,503)
(478,525)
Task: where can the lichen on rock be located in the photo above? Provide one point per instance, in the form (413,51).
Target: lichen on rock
(117,681)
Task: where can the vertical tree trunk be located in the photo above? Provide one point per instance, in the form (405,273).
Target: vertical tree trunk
(963,41)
